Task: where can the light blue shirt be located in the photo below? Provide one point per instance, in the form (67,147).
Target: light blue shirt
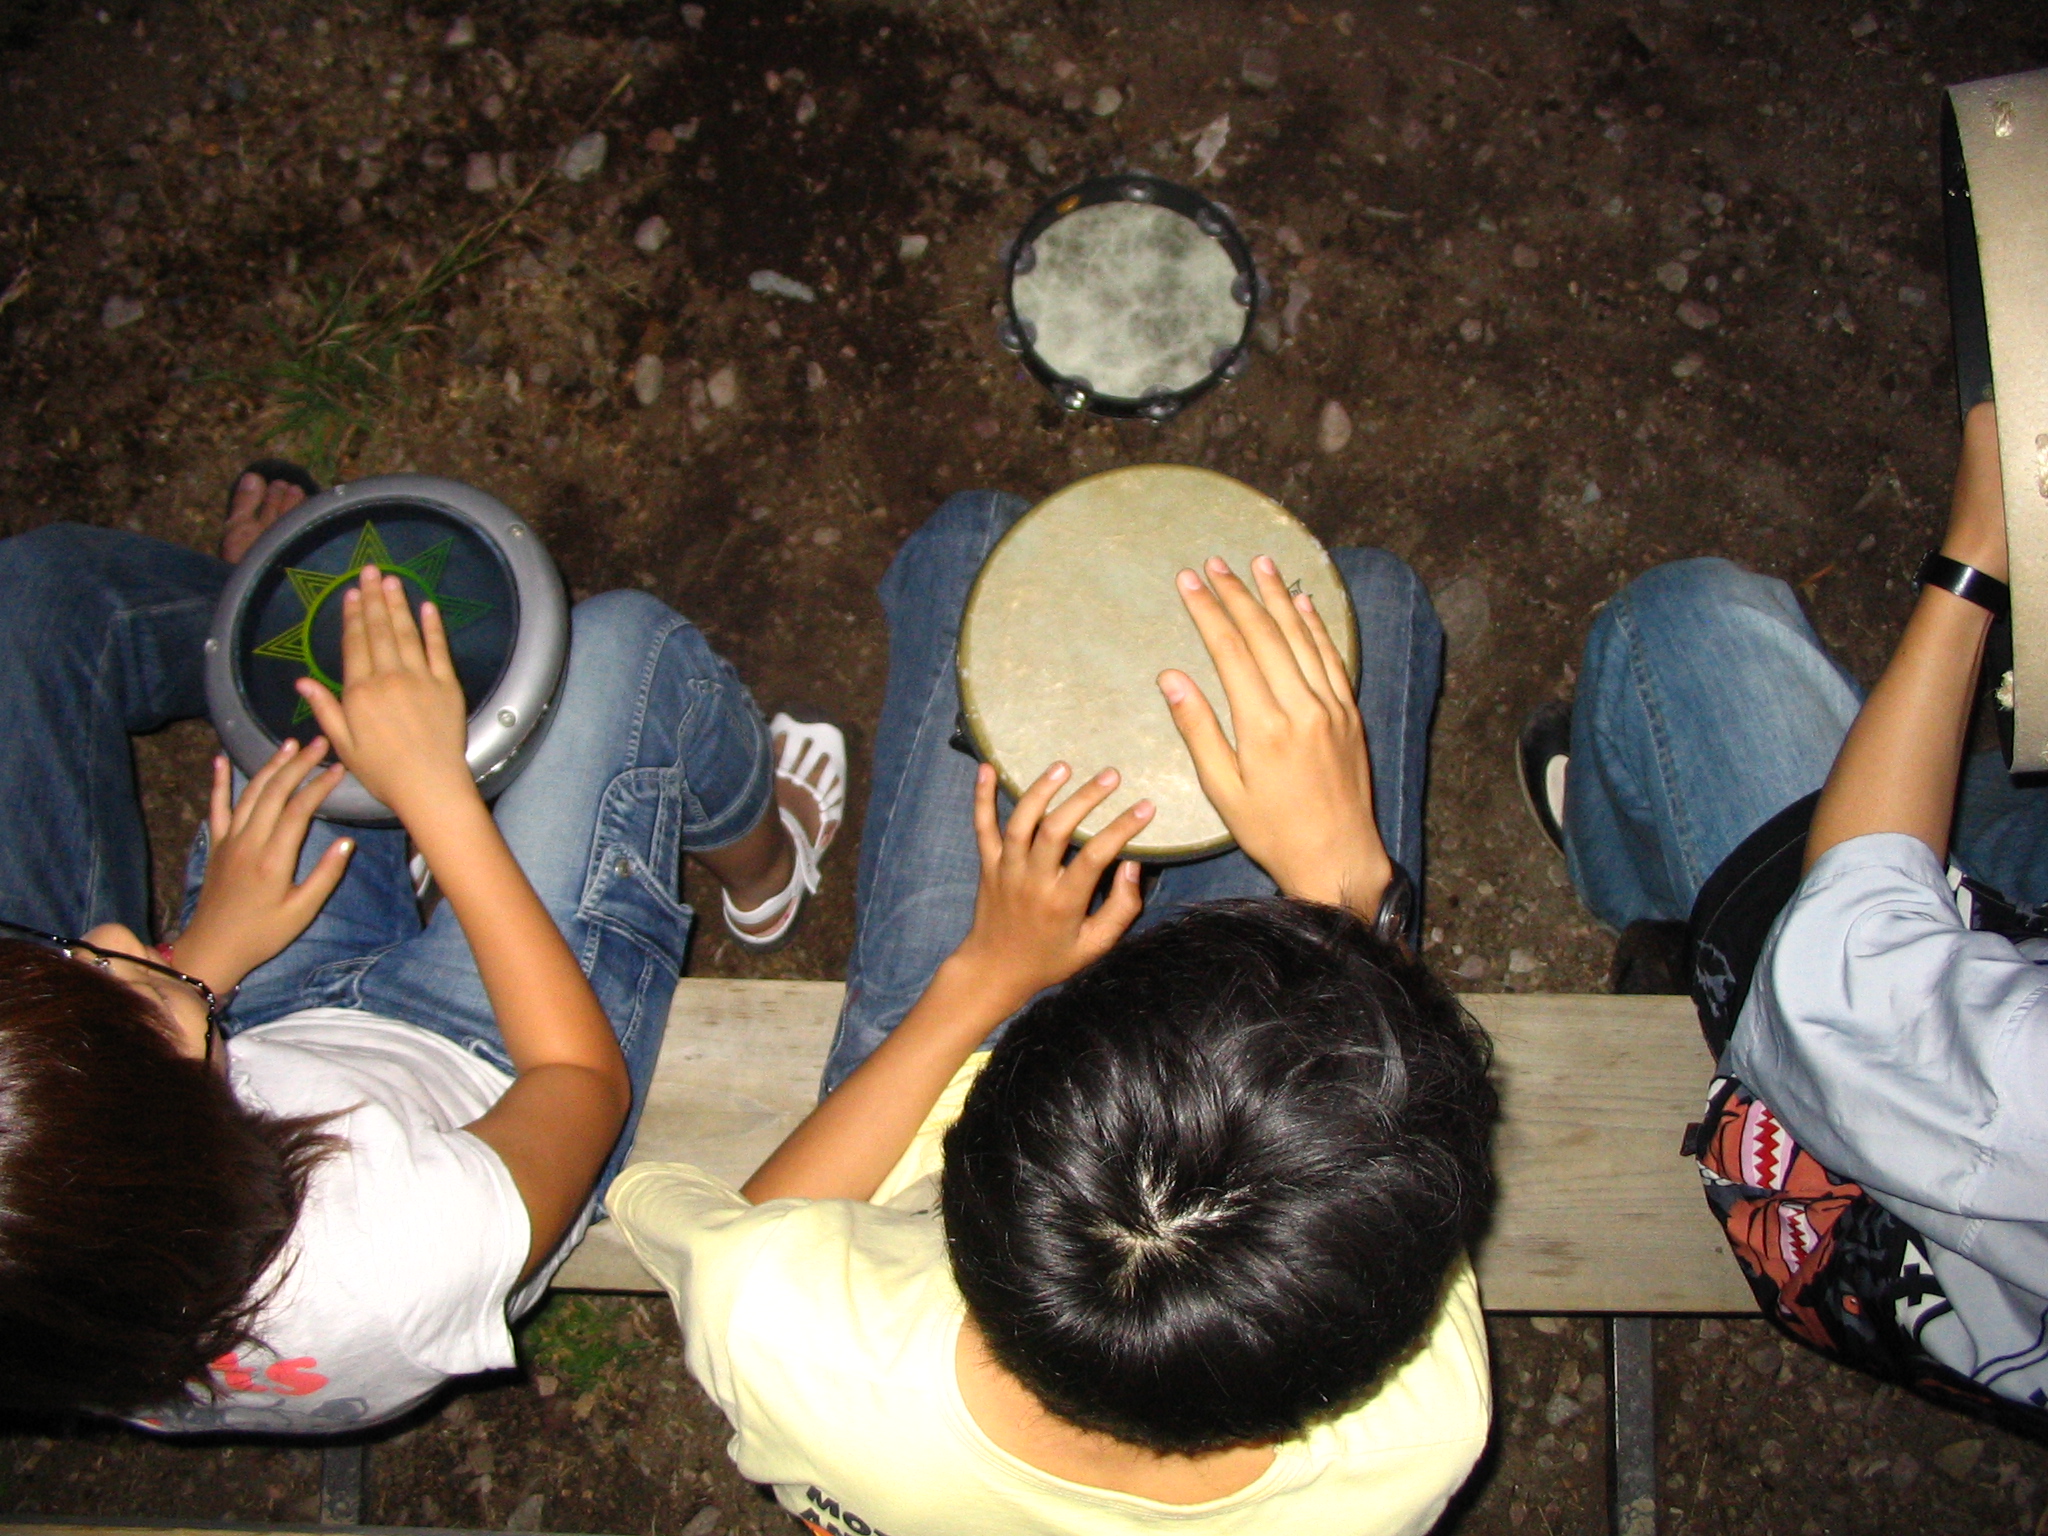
(1910,1054)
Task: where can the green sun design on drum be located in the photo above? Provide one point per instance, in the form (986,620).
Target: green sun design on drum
(423,570)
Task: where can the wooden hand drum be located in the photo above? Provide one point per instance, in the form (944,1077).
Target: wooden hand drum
(1075,614)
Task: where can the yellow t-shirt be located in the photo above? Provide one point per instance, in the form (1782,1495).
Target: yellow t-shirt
(825,1330)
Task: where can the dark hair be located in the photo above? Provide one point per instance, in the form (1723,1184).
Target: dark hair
(1207,1191)
(140,1203)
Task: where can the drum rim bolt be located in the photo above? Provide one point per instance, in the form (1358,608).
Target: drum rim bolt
(508,718)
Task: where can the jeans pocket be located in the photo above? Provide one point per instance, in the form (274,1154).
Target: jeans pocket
(631,888)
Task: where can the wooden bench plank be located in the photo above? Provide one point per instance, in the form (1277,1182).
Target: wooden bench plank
(1598,1213)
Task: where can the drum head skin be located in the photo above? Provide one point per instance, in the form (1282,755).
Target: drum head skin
(1076,613)
(1130,296)
(280,620)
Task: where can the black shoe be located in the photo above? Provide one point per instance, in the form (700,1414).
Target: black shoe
(1540,758)
(1652,959)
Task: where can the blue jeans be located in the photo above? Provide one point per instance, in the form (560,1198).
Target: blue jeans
(1706,705)
(919,867)
(656,749)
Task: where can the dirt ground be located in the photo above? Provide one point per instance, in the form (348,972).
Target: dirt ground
(1594,285)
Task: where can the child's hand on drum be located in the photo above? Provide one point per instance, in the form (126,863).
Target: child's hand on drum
(400,724)
(1032,927)
(252,904)
(1296,792)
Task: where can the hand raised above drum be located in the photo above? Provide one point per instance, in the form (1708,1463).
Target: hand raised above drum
(1296,790)
(1032,927)
(400,723)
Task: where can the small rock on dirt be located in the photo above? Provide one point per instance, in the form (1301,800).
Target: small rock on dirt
(722,389)
(120,310)
(1912,297)
(1863,25)
(647,377)
(693,17)
(526,1514)
(1688,365)
(1471,329)
(1521,962)
(1259,68)
(461,33)
(1525,257)
(652,234)
(705,1522)
(350,212)
(1959,1458)
(1472,968)
(1465,612)
(480,173)
(825,538)
(585,158)
(1107,102)
(814,376)
(765,281)
(806,108)
(910,247)
(1209,144)
(1673,276)
(1333,427)
(1549,1326)
(1701,317)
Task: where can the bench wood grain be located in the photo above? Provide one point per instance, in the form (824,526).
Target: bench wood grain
(1598,1212)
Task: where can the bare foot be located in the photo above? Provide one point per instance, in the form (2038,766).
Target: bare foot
(252,508)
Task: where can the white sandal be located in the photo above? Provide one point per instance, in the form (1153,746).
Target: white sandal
(814,758)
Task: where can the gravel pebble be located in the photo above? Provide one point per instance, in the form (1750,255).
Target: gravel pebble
(1674,275)
(585,158)
(765,281)
(1521,962)
(1107,102)
(693,17)
(461,33)
(120,310)
(647,377)
(1911,297)
(1524,256)
(1333,427)
(350,212)
(480,173)
(652,234)
(723,388)
(1688,365)
(910,247)
(1259,68)
(1959,1458)
(1699,316)
(1471,329)
(435,156)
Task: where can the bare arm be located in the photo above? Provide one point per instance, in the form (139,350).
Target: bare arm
(1897,769)
(399,727)
(1032,929)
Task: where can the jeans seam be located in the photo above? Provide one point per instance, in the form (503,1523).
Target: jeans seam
(1685,836)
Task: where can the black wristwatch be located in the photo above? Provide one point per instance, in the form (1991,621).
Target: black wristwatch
(1394,923)
(1966,582)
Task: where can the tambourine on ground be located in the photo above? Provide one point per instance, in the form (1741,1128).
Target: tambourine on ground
(279,620)
(1995,202)
(1130,296)
(1075,613)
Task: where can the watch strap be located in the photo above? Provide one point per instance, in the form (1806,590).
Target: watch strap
(1395,920)
(1966,582)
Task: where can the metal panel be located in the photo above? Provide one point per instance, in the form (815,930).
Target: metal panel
(2003,125)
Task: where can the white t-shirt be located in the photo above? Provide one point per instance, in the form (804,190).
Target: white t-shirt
(825,1329)
(407,1247)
